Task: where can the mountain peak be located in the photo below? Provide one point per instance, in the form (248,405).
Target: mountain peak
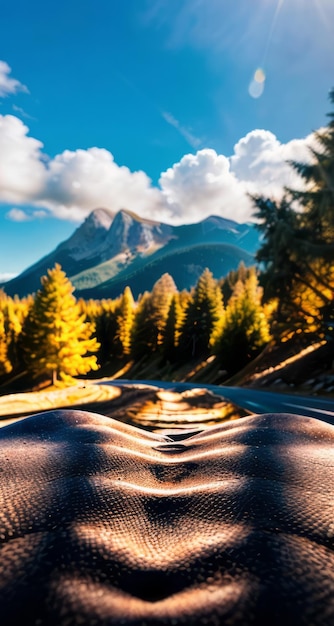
(89,236)
(128,213)
(100,217)
(129,232)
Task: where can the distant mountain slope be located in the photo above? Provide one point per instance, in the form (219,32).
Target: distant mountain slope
(75,254)
(106,253)
(185,265)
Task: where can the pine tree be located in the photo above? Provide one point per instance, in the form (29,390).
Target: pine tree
(161,297)
(57,339)
(143,338)
(318,199)
(245,328)
(173,326)
(297,252)
(125,320)
(151,317)
(14,312)
(227,283)
(5,365)
(203,313)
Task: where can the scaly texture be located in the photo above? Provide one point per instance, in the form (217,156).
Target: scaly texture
(104,523)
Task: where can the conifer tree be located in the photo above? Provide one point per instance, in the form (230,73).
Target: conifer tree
(5,365)
(106,333)
(173,326)
(143,338)
(298,246)
(318,198)
(57,339)
(125,318)
(161,297)
(203,313)
(245,329)
(227,283)
(151,316)
(14,312)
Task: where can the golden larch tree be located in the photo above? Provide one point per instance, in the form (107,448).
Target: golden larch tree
(57,339)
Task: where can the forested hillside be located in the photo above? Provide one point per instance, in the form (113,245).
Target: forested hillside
(54,336)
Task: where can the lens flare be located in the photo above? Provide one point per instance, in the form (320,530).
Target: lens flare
(256,86)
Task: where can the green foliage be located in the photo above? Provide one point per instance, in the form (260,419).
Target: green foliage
(203,313)
(174,323)
(245,330)
(228,283)
(57,339)
(298,246)
(54,332)
(142,341)
(151,317)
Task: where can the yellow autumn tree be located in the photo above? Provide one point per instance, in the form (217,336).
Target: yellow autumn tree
(57,339)
(245,328)
(125,319)
(5,365)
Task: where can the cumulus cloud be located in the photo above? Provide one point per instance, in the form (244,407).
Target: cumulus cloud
(73,183)
(70,185)
(208,183)
(22,169)
(260,162)
(201,185)
(80,181)
(9,85)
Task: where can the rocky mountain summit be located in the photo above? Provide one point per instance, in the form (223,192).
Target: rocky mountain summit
(108,251)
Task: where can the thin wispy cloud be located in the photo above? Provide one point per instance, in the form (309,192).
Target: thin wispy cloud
(9,85)
(17,215)
(4,276)
(22,112)
(201,23)
(191,139)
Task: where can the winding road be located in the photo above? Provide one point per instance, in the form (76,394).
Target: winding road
(252,400)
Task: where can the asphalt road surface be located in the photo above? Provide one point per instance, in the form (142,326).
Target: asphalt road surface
(253,400)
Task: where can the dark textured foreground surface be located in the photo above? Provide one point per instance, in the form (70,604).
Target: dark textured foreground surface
(103,523)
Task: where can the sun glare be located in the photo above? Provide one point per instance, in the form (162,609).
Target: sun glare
(257,83)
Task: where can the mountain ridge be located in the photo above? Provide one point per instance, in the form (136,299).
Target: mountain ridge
(107,249)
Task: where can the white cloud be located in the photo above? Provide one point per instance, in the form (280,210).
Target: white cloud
(9,85)
(208,183)
(182,130)
(4,276)
(22,170)
(74,183)
(260,162)
(22,112)
(79,181)
(17,215)
(201,185)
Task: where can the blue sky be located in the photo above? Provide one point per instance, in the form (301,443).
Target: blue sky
(174,109)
